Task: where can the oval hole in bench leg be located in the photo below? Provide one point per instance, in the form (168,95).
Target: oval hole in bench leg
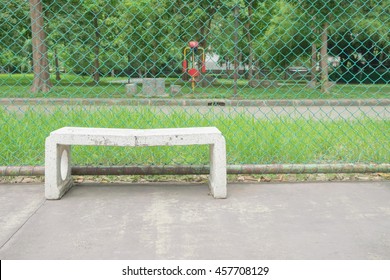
(64,165)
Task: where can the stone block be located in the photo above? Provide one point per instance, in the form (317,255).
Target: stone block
(153,87)
(131,89)
(174,89)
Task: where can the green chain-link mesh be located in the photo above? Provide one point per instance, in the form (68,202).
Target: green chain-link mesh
(285,81)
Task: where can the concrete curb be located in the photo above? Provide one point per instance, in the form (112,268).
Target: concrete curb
(193,102)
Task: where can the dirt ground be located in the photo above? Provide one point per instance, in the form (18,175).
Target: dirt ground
(340,177)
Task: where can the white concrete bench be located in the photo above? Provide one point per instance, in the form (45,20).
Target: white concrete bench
(58,157)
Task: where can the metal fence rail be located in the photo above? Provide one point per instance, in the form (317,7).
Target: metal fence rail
(295,86)
(200,169)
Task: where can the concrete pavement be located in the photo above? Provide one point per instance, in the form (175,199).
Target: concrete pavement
(346,220)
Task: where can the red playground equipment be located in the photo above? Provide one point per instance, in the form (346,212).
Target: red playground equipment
(193,47)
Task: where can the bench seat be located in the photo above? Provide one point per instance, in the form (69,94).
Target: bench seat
(58,153)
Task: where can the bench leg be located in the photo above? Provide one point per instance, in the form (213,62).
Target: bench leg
(217,178)
(57,170)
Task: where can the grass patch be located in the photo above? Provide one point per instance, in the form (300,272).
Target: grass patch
(72,86)
(249,140)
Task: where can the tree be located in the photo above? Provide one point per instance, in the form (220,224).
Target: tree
(363,45)
(250,4)
(41,80)
(79,30)
(146,37)
(15,32)
(258,17)
(323,14)
(284,39)
(97,12)
(296,35)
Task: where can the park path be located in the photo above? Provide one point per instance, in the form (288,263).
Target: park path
(262,112)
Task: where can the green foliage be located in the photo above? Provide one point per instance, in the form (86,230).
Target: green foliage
(147,37)
(287,37)
(15,35)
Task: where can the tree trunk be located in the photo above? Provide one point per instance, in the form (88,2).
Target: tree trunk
(58,75)
(249,39)
(236,24)
(324,59)
(96,64)
(204,33)
(205,25)
(41,82)
(313,70)
(154,57)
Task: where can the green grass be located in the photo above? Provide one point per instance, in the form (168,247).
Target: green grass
(72,86)
(249,140)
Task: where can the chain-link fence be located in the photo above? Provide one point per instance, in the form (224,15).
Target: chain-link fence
(289,83)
